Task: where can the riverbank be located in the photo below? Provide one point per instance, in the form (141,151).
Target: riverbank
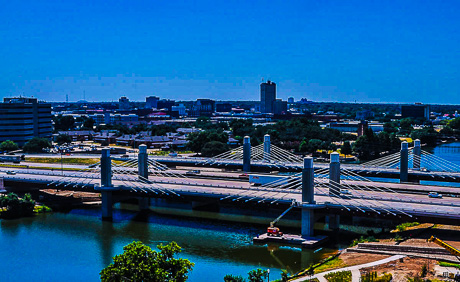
(411,244)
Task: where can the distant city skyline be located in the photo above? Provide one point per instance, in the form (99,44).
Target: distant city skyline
(329,51)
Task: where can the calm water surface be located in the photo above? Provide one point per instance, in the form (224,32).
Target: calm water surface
(75,246)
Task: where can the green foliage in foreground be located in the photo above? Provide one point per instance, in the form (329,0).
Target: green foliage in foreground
(342,276)
(140,263)
(12,206)
(448,264)
(373,277)
(233,278)
(363,240)
(404,226)
(42,209)
(255,275)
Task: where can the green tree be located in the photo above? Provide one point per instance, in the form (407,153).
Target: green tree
(426,135)
(196,141)
(284,275)
(63,122)
(15,206)
(214,148)
(8,146)
(63,138)
(36,145)
(88,123)
(233,278)
(257,275)
(140,263)
(346,148)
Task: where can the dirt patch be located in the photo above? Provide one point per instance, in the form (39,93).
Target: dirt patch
(404,268)
(351,259)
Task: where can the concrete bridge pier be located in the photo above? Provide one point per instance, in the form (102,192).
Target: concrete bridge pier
(246,154)
(417,154)
(106,185)
(404,162)
(267,146)
(143,172)
(308,216)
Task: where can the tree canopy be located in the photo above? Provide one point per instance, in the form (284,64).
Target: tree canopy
(140,263)
(36,145)
(63,138)
(63,122)
(8,146)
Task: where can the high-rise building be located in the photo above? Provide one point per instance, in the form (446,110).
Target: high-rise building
(418,110)
(279,107)
(165,104)
(291,100)
(203,107)
(123,103)
(267,97)
(151,102)
(22,119)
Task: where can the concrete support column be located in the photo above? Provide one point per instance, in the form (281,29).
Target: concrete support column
(267,146)
(246,154)
(308,221)
(333,221)
(107,203)
(417,154)
(308,197)
(334,175)
(404,162)
(106,184)
(142,165)
(144,204)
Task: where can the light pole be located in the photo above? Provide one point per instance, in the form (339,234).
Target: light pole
(268,275)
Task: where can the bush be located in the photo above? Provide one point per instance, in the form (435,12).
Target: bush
(342,276)
(233,278)
(424,271)
(257,275)
(15,206)
(363,240)
(373,277)
(403,226)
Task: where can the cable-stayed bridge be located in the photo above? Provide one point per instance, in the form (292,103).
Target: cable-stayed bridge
(332,189)
(409,164)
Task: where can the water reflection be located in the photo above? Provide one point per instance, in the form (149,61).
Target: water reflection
(79,244)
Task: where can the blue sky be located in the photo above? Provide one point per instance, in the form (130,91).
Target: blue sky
(364,51)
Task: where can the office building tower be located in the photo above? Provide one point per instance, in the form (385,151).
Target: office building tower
(267,97)
(22,119)
(151,102)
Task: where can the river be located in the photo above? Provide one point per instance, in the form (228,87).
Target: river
(75,246)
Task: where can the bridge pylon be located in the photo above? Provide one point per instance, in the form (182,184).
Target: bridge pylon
(404,162)
(106,185)
(417,154)
(267,148)
(246,154)
(143,172)
(334,174)
(308,197)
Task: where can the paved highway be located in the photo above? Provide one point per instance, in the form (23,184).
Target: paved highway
(240,191)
